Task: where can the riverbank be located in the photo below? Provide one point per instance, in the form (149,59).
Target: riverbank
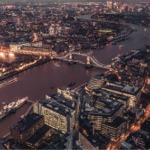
(6,123)
(18,71)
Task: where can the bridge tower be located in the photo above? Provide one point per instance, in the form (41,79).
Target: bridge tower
(70,56)
(88,60)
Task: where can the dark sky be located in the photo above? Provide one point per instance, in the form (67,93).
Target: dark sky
(130,1)
(80,0)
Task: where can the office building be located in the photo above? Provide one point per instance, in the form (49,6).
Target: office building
(27,126)
(133,93)
(114,96)
(59,113)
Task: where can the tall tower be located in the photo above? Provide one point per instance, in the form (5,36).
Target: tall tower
(88,60)
(70,56)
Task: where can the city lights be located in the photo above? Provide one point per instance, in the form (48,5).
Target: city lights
(84,69)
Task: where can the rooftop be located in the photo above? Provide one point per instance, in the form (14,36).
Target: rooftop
(59,98)
(56,106)
(108,107)
(116,123)
(95,140)
(109,94)
(27,122)
(118,86)
(39,134)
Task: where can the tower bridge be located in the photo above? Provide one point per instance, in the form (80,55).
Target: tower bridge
(91,61)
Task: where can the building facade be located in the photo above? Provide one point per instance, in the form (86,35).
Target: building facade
(26,127)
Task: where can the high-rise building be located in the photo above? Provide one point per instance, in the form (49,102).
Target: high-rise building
(58,112)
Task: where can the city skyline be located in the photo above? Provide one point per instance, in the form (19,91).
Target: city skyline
(74,75)
(135,1)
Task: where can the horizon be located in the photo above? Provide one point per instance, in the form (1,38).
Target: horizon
(129,1)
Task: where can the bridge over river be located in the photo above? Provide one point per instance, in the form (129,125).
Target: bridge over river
(91,61)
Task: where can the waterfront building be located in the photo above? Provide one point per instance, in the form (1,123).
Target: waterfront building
(132,92)
(27,126)
(66,93)
(18,46)
(96,82)
(101,84)
(59,113)
(37,50)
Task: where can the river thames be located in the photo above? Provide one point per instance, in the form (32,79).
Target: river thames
(37,82)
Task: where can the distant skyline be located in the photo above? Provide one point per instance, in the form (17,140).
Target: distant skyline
(72,0)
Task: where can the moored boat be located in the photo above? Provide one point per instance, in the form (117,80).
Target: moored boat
(11,107)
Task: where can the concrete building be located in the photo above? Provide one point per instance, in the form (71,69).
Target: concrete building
(59,113)
(18,46)
(26,127)
(133,93)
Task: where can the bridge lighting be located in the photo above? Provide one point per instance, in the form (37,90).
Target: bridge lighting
(2,54)
(11,54)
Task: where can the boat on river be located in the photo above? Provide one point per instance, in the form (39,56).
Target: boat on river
(11,107)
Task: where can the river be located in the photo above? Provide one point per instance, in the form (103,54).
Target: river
(37,81)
